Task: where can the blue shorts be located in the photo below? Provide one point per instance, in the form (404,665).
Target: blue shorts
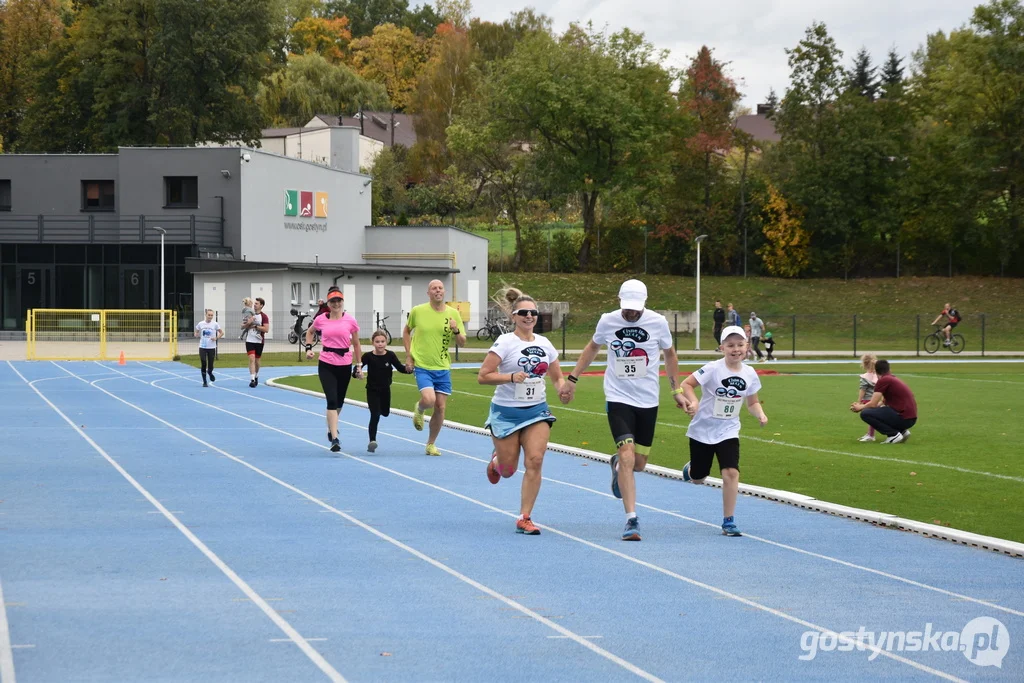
(506,420)
(438,380)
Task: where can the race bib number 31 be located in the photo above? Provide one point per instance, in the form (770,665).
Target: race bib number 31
(630,367)
(531,389)
(726,408)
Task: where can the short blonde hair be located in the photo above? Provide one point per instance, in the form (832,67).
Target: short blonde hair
(247,301)
(868,360)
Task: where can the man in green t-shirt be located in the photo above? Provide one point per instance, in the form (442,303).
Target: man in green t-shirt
(435,324)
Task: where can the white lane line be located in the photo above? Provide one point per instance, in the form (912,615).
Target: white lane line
(6,656)
(699,584)
(287,628)
(285,640)
(809,553)
(628,666)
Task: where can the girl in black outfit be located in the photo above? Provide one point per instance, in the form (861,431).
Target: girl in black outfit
(378,382)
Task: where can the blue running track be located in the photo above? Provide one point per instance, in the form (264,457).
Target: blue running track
(151,529)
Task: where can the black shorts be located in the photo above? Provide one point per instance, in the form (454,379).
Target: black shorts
(703,454)
(254,349)
(334,379)
(952,324)
(630,424)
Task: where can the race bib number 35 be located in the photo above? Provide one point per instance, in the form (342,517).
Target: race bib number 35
(726,408)
(531,389)
(630,367)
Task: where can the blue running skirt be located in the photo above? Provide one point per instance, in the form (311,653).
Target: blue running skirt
(505,420)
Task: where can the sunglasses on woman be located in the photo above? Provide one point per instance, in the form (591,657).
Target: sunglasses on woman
(523,312)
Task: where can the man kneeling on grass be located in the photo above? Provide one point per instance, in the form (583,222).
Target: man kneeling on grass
(898,415)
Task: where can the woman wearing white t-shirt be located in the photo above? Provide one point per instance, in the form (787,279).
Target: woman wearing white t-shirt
(726,384)
(519,418)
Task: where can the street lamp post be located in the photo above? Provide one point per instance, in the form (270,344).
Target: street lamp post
(163,233)
(699,239)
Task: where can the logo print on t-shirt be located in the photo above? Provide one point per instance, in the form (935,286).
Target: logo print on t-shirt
(533,362)
(735,384)
(626,344)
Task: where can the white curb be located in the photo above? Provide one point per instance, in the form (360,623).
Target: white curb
(1011,548)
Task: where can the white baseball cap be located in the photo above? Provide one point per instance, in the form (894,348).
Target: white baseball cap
(733,329)
(633,295)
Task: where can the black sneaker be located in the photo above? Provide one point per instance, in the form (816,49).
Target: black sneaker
(257,380)
(335,445)
(205,384)
(212,378)
(252,384)
(330,439)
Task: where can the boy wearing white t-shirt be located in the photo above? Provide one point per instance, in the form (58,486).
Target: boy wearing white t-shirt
(725,384)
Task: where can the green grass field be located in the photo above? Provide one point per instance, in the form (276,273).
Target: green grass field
(971,417)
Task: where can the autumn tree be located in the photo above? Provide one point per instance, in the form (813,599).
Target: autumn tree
(786,251)
(327,37)
(394,57)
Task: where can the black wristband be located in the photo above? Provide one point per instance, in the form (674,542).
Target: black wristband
(309,347)
(571,378)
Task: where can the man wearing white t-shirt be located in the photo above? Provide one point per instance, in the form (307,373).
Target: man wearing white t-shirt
(256,329)
(636,338)
(726,384)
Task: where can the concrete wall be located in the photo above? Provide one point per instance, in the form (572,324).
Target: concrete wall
(469,284)
(368,151)
(51,184)
(269,235)
(366,295)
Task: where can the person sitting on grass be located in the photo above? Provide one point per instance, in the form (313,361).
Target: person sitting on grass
(898,415)
(726,384)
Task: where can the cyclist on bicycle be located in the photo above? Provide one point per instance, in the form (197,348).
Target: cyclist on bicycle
(952,317)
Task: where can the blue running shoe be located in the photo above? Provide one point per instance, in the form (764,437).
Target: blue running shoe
(615,476)
(686,472)
(729,528)
(632,530)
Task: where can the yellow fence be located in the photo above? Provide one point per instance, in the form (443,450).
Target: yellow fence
(82,334)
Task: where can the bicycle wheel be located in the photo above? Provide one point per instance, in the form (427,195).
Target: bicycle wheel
(932,343)
(956,343)
(387,336)
(484,333)
(292,337)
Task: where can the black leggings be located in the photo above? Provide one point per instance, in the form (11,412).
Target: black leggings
(379,402)
(206,358)
(334,379)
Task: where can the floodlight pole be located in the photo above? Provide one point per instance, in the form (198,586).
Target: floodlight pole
(699,239)
(162,234)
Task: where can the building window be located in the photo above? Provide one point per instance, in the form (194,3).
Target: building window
(314,293)
(296,294)
(181,192)
(97,195)
(5,195)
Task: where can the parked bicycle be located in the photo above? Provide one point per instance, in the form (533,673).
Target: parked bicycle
(492,329)
(298,330)
(383,327)
(937,339)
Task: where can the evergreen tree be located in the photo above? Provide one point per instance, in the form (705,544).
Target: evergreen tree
(862,79)
(891,84)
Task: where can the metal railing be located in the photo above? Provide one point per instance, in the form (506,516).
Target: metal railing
(106,228)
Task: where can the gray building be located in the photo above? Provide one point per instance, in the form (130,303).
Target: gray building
(81,231)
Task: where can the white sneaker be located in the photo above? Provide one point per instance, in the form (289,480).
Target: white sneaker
(906,435)
(895,438)
(866,437)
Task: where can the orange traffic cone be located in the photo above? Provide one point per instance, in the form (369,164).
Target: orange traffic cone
(120,361)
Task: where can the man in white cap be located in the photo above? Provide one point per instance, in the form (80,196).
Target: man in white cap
(636,338)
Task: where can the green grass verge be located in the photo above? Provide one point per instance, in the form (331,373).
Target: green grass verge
(971,416)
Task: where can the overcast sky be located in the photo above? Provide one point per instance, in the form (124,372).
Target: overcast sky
(751,34)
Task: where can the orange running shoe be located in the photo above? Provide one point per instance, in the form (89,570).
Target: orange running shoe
(492,473)
(526,526)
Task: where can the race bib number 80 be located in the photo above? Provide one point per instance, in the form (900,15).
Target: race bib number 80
(727,408)
(630,367)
